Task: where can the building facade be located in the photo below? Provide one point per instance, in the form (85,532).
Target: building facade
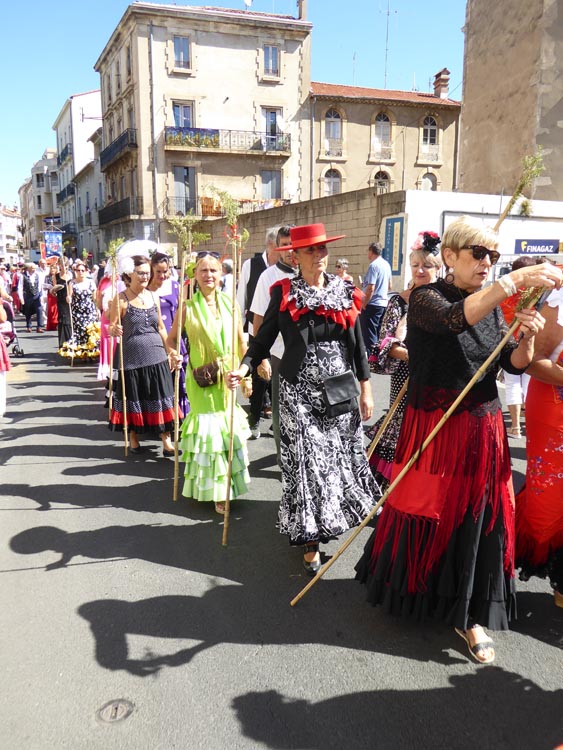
(199,99)
(388,140)
(90,196)
(10,233)
(38,200)
(79,117)
(512,95)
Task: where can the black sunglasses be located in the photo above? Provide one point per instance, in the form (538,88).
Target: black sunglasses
(205,253)
(480,252)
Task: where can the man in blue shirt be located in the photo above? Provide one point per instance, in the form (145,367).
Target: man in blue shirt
(376,285)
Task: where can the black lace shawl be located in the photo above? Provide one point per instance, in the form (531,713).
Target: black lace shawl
(445,351)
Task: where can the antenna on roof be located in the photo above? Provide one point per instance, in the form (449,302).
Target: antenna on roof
(248,3)
(388,13)
(414,86)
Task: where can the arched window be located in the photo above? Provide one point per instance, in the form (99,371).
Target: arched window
(429,181)
(381,182)
(333,133)
(430,131)
(382,130)
(333,182)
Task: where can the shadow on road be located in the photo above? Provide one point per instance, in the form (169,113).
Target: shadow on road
(490,708)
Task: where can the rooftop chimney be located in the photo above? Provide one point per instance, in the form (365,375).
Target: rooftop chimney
(302,9)
(441,83)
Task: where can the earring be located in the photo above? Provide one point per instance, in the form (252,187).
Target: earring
(449,277)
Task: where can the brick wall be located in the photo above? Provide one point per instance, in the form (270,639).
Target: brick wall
(358,214)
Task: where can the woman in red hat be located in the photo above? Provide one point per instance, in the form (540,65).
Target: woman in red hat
(327,487)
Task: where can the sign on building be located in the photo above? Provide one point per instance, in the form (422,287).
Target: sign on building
(536,247)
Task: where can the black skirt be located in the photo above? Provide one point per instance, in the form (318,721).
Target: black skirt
(468,585)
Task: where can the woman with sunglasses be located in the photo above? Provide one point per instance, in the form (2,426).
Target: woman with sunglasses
(327,487)
(444,543)
(207,319)
(84,312)
(149,389)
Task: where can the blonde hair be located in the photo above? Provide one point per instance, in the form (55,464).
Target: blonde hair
(209,256)
(425,257)
(467,231)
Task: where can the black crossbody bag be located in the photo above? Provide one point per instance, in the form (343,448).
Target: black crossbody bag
(340,392)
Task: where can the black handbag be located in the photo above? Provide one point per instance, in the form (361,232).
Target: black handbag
(340,392)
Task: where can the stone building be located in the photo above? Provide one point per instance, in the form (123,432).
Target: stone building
(89,184)
(75,123)
(38,200)
(200,98)
(391,140)
(512,95)
(10,233)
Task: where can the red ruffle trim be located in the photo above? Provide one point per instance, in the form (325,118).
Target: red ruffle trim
(148,419)
(466,467)
(344,318)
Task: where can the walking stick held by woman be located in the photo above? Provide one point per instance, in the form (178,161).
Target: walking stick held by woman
(236,246)
(111,352)
(177,374)
(534,298)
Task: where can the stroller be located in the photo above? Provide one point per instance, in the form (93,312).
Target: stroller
(8,331)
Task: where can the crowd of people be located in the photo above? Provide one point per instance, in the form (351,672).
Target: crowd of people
(304,341)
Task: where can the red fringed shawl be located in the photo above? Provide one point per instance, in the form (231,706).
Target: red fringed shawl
(345,317)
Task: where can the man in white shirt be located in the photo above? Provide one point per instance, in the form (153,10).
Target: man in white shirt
(250,273)
(286,267)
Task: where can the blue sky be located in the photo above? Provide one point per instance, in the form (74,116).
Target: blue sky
(48,51)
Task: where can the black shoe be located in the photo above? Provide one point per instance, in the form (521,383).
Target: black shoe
(312,568)
(138,450)
(168,454)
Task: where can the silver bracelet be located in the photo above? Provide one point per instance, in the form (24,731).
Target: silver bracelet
(507,285)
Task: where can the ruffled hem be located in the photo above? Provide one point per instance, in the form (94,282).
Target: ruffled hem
(467,586)
(204,446)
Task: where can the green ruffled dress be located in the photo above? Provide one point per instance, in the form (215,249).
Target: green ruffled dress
(204,441)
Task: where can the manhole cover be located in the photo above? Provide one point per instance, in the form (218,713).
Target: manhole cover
(113,711)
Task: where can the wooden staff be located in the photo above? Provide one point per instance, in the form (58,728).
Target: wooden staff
(236,246)
(416,455)
(388,417)
(111,338)
(69,295)
(177,373)
(122,369)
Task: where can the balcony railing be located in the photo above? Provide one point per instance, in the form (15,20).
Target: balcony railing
(382,150)
(80,222)
(173,206)
(227,140)
(68,229)
(333,147)
(209,206)
(65,154)
(429,153)
(66,192)
(121,210)
(122,144)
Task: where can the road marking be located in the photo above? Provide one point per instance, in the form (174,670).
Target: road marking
(18,374)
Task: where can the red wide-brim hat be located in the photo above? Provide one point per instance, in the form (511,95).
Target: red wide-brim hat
(309,235)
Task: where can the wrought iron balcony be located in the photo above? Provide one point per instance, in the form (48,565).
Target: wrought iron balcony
(116,149)
(65,154)
(333,147)
(69,229)
(67,192)
(120,210)
(381,150)
(429,153)
(172,206)
(238,141)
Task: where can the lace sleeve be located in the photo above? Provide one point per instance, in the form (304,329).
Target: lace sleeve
(432,312)
(390,335)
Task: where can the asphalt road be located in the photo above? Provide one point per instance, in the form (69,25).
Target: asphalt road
(111,591)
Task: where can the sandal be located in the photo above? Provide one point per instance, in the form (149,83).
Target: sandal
(513,432)
(220,508)
(477,648)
